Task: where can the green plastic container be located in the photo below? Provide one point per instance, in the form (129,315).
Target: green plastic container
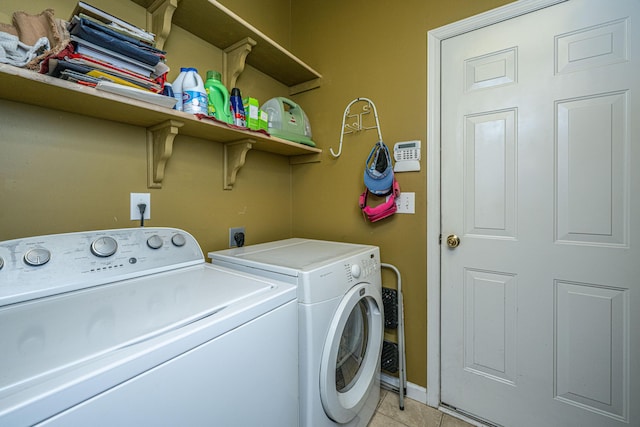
(263,120)
(218,96)
(251,110)
(288,121)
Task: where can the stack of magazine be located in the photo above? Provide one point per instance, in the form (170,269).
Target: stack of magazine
(112,55)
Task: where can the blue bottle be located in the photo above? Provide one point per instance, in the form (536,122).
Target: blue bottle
(237,108)
(167,90)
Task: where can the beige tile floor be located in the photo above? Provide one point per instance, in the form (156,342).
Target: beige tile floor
(415,414)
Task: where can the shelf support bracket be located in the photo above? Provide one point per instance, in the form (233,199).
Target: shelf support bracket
(303,87)
(303,159)
(235,155)
(159,17)
(159,149)
(233,60)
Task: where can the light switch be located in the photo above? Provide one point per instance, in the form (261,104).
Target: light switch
(406,203)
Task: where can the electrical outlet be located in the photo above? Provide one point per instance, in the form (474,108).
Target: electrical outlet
(406,203)
(232,233)
(136,199)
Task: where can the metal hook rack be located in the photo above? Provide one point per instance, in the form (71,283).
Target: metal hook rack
(357,124)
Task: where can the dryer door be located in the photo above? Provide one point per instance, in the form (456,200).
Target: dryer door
(351,355)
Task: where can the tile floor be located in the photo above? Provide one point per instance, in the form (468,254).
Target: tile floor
(415,414)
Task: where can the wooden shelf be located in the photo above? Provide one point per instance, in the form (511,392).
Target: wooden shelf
(28,87)
(214,23)
(208,19)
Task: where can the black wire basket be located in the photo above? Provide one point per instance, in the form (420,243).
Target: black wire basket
(390,305)
(389,361)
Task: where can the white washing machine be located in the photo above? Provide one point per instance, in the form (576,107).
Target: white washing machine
(340,318)
(132,327)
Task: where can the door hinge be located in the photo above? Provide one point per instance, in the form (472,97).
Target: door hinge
(440,239)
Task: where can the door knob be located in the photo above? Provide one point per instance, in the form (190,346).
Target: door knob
(453,241)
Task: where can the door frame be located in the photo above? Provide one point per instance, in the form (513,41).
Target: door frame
(434,40)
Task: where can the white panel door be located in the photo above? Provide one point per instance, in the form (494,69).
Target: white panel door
(540,181)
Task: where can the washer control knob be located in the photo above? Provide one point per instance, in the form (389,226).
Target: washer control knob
(37,256)
(356,270)
(104,246)
(178,240)
(154,242)
(1,263)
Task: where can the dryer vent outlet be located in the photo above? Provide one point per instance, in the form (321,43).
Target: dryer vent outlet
(236,237)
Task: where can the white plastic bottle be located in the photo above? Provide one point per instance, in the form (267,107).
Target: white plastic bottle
(177,88)
(194,95)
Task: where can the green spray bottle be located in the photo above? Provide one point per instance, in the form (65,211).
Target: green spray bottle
(218,105)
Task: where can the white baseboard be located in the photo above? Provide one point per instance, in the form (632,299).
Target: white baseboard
(414,391)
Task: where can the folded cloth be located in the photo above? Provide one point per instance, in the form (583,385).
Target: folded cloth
(14,52)
(31,28)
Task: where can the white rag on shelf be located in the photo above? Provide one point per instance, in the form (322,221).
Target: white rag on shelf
(14,52)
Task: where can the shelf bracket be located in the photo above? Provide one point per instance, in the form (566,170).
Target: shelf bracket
(303,159)
(235,154)
(233,60)
(159,148)
(303,87)
(159,16)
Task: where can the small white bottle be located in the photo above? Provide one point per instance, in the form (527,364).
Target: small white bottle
(177,88)
(194,95)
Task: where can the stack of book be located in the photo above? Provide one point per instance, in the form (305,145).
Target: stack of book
(111,54)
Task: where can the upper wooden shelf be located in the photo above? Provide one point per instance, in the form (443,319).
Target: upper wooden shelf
(214,23)
(29,87)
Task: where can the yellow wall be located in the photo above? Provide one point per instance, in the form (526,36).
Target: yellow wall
(374,49)
(62,172)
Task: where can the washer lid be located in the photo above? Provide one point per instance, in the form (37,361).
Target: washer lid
(60,331)
(84,342)
(293,255)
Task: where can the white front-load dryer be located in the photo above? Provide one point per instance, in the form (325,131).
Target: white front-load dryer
(340,319)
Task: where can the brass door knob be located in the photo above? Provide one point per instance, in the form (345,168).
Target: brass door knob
(453,241)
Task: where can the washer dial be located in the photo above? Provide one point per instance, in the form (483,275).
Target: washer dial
(37,256)
(154,242)
(104,246)
(178,240)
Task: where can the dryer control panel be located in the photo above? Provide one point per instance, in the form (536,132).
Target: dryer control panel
(363,268)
